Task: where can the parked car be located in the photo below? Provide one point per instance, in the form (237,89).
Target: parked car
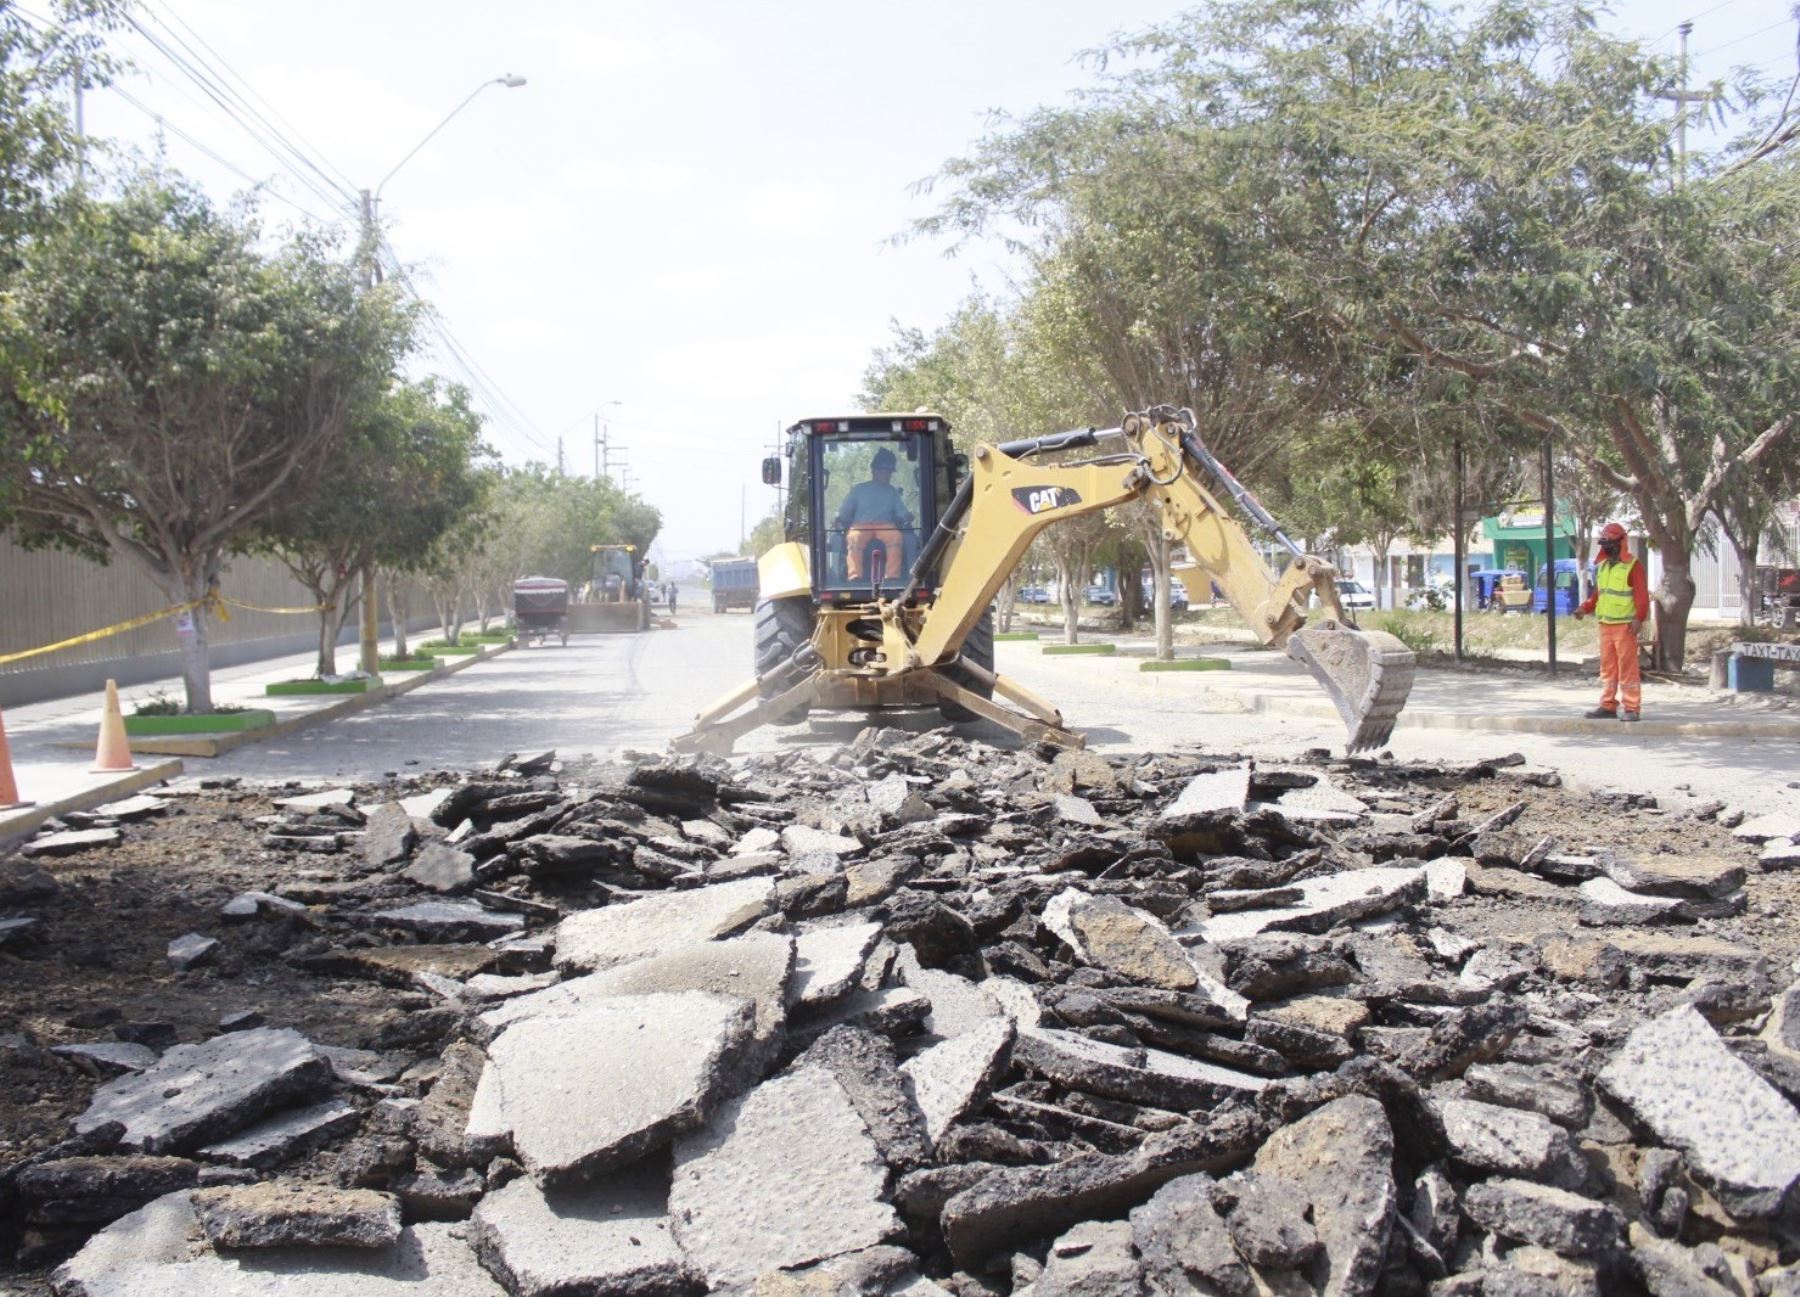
(1101,595)
(1355,596)
(1178,595)
(1034,594)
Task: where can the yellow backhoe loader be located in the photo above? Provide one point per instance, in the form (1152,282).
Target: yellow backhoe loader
(615,597)
(896,545)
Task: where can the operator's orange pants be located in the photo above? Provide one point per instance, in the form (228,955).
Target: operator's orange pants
(1619,680)
(857,541)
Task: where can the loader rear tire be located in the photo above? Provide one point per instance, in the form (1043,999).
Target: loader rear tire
(977,647)
(782,625)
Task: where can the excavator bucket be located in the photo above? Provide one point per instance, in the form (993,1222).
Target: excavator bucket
(1367,673)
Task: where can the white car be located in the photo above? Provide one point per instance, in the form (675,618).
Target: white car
(1355,596)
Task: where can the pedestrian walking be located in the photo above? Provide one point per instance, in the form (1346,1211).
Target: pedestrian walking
(671,598)
(1621,604)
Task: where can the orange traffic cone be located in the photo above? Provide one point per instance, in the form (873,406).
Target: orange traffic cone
(9,787)
(114,751)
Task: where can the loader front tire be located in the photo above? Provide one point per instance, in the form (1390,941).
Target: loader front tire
(977,647)
(782,625)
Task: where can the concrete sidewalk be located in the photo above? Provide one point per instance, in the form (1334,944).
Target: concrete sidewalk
(1522,702)
(52,742)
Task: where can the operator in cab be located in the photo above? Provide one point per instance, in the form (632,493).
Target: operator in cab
(874,511)
(1621,604)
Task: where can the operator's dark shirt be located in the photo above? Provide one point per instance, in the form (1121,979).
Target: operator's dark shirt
(874,502)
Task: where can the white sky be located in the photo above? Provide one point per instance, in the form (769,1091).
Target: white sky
(687,209)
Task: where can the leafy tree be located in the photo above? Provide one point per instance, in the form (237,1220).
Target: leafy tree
(167,386)
(38,148)
(403,474)
(766,535)
(1489,198)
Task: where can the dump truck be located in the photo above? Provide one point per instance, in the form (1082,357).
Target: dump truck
(615,598)
(733,583)
(882,593)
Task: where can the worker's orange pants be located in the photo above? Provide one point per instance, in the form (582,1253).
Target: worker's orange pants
(1619,681)
(857,541)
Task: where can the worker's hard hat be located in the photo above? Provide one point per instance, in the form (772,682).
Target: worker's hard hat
(1612,531)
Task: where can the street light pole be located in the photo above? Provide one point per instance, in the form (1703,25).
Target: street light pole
(370,205)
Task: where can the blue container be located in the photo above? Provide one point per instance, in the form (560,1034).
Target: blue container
(1750,675)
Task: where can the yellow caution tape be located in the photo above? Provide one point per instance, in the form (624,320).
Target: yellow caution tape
(257,607)
(93,635)
(212,602)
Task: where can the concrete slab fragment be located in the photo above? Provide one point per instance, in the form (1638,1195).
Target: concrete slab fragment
(286,1135)
(1330,901)
(1740,1136)
(657,925)
(799,840)
(1218,790)
(609,1237)
(1340,1157)
(151,1253)
(1107,933)
(1153,1077)
(758,966)
(289,1213)
(198,1093)
(598,1088)
(452,921)
(954,1076)
(784,1176)
(828,961)
(307,802)
(71,841)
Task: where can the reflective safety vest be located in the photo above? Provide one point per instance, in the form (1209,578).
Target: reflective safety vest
(1615,602)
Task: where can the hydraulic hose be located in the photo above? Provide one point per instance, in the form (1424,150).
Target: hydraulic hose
(951,518)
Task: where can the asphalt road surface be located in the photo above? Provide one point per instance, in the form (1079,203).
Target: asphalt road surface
(604,693)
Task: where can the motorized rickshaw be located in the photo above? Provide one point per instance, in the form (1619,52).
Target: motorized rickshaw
(541,609)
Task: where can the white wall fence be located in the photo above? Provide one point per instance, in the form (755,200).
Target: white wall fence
(47,596)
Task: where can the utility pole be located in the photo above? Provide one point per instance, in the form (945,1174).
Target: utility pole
(599,448)
(743,514)
(1682,99)
(369,658)
(1550,552)
(80,130)
(1458,549)
(559,455)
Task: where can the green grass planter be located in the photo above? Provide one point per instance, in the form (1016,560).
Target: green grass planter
(409,664)
(296,688)
(1013,635)
(1079,650)
(1187,664)
(253,718)
(451,650)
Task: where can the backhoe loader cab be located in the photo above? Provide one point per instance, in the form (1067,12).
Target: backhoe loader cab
(865,493)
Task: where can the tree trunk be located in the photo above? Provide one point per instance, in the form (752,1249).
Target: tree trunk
(1747,551)
(1674,602)
(330,623)
(196,664)
(397,611)
(1069,593)
(1584,546)
(1159,573)
(1009,594)
(1381,575)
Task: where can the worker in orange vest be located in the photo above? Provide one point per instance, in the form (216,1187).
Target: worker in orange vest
(1621,604)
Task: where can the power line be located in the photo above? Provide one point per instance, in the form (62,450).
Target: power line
(1748,36)
(188,27)
(260,186)
(284,153)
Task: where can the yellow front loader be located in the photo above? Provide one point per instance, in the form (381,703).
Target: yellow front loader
(896,545)
(614,598)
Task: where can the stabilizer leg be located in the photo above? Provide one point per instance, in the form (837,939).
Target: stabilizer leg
(717,736)
(1025,727)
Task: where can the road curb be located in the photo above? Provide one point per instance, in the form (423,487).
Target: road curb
(1556,726)
(24,821)
(214,745)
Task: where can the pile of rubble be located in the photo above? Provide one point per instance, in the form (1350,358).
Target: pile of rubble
(928,1017)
